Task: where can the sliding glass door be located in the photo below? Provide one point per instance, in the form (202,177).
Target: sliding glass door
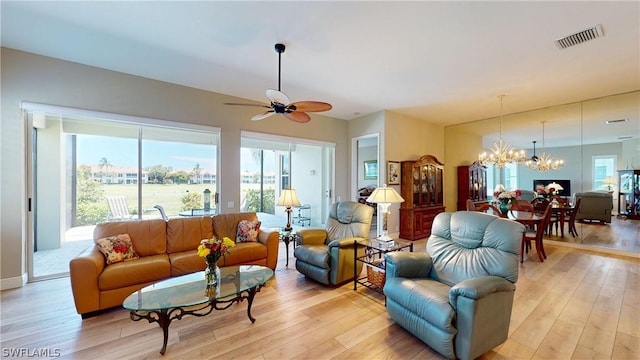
(270,164)
(92,169)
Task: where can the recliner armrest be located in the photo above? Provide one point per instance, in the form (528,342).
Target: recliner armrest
(477,288)
(407,264)
(345,242)
(312,236)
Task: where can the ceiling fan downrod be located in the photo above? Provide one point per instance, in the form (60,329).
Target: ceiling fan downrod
(279,49)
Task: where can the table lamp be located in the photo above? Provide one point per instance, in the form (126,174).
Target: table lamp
(609,182)
(384,196)
(288,198)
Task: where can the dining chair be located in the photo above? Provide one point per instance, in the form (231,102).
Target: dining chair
(539,205)
(489,209)
(470,205)
(535,236)
(572,217)
(522,205)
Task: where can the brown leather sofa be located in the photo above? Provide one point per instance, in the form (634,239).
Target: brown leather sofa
(165,249)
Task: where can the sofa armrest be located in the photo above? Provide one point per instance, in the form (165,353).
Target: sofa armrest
(312,236)
(407,264)
(84,271)
(477,288)
(271,239)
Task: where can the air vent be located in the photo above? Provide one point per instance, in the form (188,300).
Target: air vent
(609,122)
(578,38)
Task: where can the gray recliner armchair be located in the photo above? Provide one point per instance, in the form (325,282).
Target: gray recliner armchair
(457,297)
(327,255)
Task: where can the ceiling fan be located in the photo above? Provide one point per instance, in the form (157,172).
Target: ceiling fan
(280,103)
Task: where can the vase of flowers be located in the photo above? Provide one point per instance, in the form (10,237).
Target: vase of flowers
(549,191)
(505,197)
(212,250)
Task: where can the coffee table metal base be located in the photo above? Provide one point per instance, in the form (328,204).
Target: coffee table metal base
(165,316)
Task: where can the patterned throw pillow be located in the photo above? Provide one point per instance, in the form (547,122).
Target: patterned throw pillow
(117,248)
(248,231)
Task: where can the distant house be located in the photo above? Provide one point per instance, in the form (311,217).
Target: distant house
(117,175)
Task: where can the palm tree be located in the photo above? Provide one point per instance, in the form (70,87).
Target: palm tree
(104,166)
(197,171)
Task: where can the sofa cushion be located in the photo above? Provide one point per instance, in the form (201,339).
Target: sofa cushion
(186,262)
(143,270)
(184,234)
(117,248)
(427,298)
(248,231)
(316,255)
(227,224)
(244,253)
(148,236)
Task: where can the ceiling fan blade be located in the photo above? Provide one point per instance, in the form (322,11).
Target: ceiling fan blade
(298,116)
(311,106)
(276,96)
(263,115)
(258,105)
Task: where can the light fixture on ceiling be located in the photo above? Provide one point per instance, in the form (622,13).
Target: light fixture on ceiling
(534,157)
(501,152)
(544,162)
(609,122)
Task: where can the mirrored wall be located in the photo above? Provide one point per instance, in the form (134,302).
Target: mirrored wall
(595,138)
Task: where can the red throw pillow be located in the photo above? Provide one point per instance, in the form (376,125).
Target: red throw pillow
(117,248)
(248,231)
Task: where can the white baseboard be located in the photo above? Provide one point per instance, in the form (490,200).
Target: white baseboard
(14,282)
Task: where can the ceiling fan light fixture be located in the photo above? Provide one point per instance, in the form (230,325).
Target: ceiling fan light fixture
(280,103)
(545,162)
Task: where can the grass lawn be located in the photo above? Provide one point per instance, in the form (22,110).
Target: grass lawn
(169,196)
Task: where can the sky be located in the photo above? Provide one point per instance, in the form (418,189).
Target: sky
(122,152)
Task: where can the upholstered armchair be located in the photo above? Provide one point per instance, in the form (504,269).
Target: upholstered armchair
(595,205)
(457,297)
(327,255)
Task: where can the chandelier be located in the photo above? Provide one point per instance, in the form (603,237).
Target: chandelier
(544,162)
(501,153)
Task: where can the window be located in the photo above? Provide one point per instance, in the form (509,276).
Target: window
(271,163)
(90,167)
(604,168)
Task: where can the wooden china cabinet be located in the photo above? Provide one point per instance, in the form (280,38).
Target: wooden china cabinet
(472,184)
(629,193)
(423,192)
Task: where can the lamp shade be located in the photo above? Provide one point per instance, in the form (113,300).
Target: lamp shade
(288,197)
(385,195)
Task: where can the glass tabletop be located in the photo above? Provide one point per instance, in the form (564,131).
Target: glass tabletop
(189,290)
(385,245)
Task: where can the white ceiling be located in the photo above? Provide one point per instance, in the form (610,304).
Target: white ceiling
(444,62)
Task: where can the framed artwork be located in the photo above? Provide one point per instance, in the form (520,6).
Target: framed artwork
(371,170)
(393,173)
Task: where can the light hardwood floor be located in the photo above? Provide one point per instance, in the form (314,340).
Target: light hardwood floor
(577,304)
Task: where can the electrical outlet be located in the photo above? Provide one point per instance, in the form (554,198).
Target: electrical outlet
(230,204)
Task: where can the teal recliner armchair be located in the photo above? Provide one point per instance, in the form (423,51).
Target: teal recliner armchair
(327,255)
(457,297)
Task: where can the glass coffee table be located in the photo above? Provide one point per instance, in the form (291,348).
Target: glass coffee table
(176,297)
